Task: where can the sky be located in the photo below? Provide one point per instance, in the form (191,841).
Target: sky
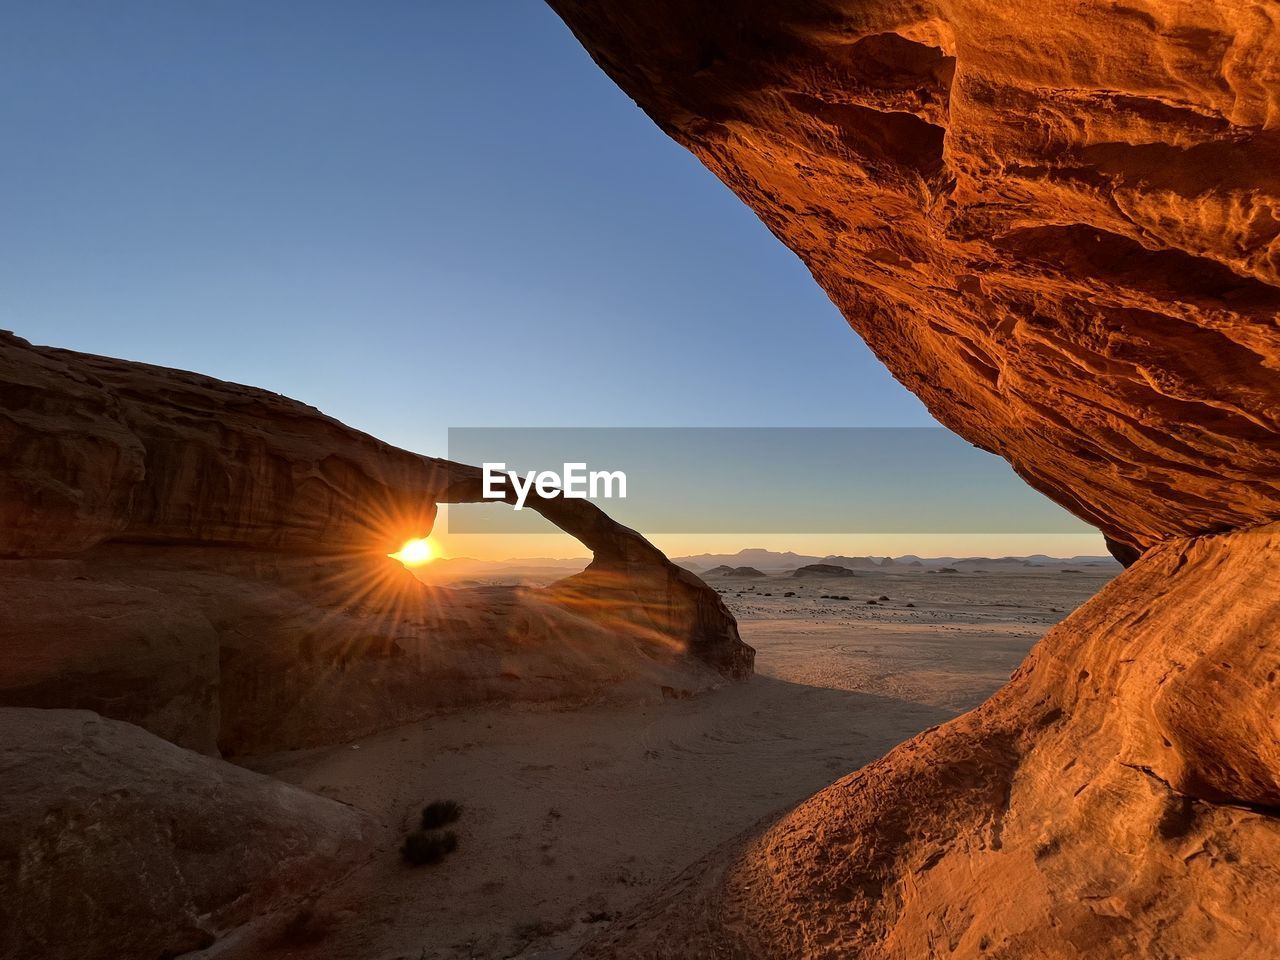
(412,215)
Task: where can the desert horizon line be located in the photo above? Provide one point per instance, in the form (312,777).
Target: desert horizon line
(799,557)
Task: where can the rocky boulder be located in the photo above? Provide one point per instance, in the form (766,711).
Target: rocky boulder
(115,843)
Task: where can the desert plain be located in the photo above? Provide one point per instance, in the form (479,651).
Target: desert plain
(573,813)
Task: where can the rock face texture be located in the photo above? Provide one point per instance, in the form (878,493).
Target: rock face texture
(114,843)
(1059,225)
(209,561)
(125,650)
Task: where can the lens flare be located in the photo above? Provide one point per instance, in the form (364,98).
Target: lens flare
(414,553)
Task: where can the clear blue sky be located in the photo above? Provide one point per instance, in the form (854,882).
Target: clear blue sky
(413,215)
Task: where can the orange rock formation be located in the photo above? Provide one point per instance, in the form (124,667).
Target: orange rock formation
(1059,225)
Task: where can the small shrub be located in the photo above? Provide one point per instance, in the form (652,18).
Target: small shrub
(440,813)
(423,846)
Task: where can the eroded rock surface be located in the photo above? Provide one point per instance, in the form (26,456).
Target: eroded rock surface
(1058,225)
(115,843)
(210,561)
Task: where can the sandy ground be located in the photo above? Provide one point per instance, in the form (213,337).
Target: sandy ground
(571,816)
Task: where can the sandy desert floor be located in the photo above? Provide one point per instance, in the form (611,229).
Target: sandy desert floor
(573,815)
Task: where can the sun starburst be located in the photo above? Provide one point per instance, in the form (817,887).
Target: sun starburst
(415,552)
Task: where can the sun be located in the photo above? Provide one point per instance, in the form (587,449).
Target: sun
(414,553)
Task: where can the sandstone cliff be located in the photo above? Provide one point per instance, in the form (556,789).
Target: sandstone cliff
(1059,225)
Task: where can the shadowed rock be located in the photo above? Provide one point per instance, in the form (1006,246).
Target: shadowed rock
(210,561)
(115,843)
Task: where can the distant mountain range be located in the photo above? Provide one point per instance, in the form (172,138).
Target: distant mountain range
(774,560)
(760,561)
(746,558)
